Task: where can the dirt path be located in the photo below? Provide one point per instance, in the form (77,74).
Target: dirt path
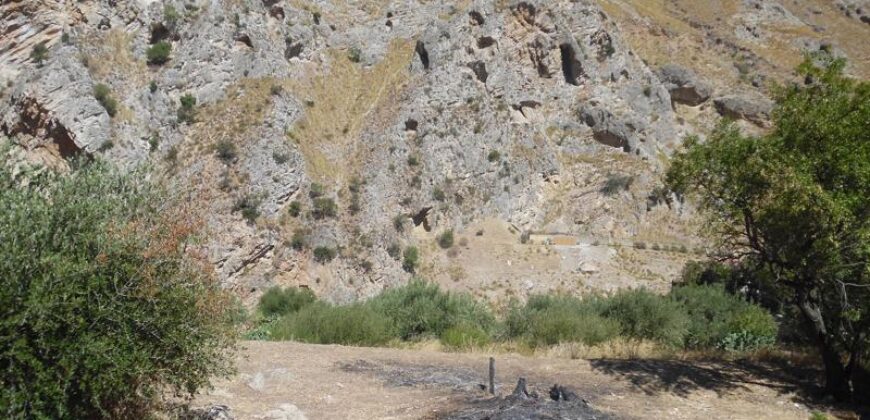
(295,381)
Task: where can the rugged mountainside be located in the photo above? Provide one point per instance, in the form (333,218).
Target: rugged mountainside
(535,131)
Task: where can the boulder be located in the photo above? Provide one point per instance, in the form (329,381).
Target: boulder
(754,109)
(608,129)
(684,85)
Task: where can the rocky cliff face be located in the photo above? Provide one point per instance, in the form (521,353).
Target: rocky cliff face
(530,130)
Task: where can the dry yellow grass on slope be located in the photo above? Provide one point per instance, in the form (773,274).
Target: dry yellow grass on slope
(338,106)
(114,56)
(244,106)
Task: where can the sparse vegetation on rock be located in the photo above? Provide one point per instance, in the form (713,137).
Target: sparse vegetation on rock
(410,259)
(445,240)
(249,207)
(187,109)
(103,95)
(323,207)
(616,183)
(324,254)
(39,54)
(295,208)
(158,53)
(372,130)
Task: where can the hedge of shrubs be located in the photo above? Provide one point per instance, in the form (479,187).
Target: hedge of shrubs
(689,317)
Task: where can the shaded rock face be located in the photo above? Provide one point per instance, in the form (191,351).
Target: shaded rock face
(750,108)
(35,121)
(488,105)
(684,85)
(608,129)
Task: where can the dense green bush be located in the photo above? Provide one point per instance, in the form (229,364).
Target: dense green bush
(101,311)
(298,240)
(550,319)
(279,301)
(394,251)
(750,329)
(644,315)
(416,310)
(158,53)
(438,194)
(704,272)
(464,336)
(356,324)
(691,317)
(715,315)
(153,142)
(316,190)
(170,16)
(399,222)
(421,309)
(696,317)
(354,54)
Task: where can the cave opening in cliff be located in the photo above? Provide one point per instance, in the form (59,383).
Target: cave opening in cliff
(420,49)
(571,67)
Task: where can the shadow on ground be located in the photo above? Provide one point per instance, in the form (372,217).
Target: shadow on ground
(681,378)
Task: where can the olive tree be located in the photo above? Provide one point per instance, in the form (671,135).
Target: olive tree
(797,201)
(103,310)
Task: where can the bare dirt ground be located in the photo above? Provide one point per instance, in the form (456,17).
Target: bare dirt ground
(297,381)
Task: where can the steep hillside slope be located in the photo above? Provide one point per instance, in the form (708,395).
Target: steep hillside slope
(530,130)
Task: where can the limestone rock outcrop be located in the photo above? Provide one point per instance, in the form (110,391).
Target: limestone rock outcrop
(684,85)
(751,108)
(358,128)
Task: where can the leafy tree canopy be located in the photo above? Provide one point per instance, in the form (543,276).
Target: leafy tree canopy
(796,201)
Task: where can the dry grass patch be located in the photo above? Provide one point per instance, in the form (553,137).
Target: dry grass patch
(339,104)
(113,56)
(244,106)
(619,348)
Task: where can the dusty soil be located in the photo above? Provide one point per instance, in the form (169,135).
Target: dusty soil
(295,381)
(496,266)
